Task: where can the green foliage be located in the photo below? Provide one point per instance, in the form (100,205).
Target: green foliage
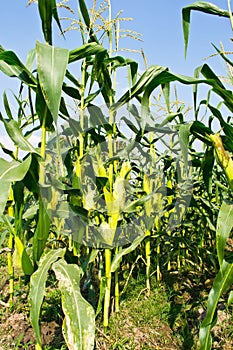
(51,68)
(79,322)
(105,198)
(37,288)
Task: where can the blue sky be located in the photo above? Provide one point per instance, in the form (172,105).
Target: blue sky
(159,21)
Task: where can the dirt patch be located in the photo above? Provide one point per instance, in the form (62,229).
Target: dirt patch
(17,331)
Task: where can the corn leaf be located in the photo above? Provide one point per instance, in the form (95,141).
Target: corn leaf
(201,6)
(22,257)
(87,21)
(223,56)
(79,322)
(16,135)
(51,67)
(45,11)
(13,67)
(224,227)
(117,258)
(11,171)
(37,287)
(42,231)
(184,132)
(86,50)
(207,168)
(221,284)
(48,11)
(158,75)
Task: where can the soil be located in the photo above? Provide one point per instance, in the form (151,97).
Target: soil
(126,331)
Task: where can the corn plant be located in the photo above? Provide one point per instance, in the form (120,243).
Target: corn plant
(219,149)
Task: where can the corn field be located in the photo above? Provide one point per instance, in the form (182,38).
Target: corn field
(115,182)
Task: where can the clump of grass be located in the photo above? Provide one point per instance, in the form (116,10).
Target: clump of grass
(142,321)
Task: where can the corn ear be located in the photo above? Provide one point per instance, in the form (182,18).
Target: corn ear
(223,157)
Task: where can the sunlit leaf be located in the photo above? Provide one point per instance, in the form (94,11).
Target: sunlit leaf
(201,6)
(37,287)
(51,66)
(79,322)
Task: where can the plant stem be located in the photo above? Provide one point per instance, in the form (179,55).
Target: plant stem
(117,292)
(107,296)
(10,253)
(148,253)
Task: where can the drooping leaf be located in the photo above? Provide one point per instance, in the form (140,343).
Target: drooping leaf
(79,322)
(13,67)
(201,6)
(16,135)
(117,258)
(11,171)
(85,51)
(158,75)
(51,67)
(7,106)
(37,288)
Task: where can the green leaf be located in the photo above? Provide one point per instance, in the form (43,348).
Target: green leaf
(51,67)
(200,131)
(222,282)
(45,11)
(42,230)
(87,21)
(48,11)
(13,67)
(79,322)
(23,258)
(3,236)
(11,171)
(85,51)
(223,56)
(230,298)
(16,135)
(31,59)
(207,168)
(43,111)
(37,287)
(117,258)
(133,206)
(224,227)
(201,6)
(85,13)
(184,132)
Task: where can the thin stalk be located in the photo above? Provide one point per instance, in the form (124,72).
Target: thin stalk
(40,237)
(230,13)
(147,186)
(10,254)
(107,296)
(42,153)
(78,166)
(148,254)
(107,252)
(158,249)
(10,263)
(117,291)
